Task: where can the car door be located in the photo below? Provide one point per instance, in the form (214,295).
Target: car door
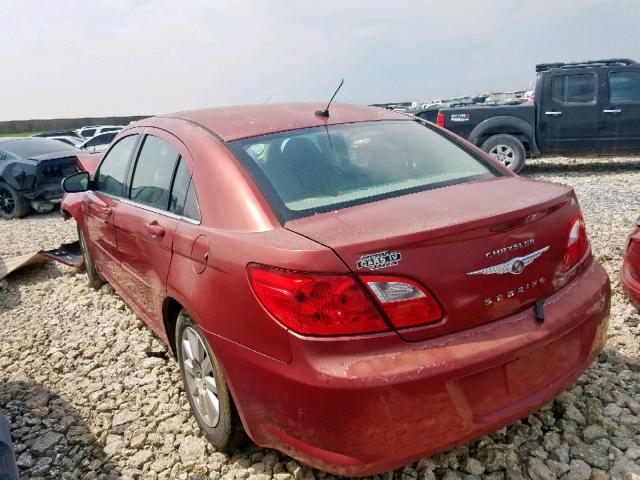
(621,112)
(100,204)
(145,227)
(569,114)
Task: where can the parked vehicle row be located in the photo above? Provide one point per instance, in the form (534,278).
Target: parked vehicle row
(299,265)
(92,131)
(91,138)
(580,108)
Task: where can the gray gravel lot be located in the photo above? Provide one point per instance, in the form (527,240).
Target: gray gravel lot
(91,394)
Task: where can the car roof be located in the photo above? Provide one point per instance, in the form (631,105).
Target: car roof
(236,122)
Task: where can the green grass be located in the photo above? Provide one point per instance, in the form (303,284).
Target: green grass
(23,134)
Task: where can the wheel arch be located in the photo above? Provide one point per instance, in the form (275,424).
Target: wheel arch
(505,124)
(171,308)
(6,177)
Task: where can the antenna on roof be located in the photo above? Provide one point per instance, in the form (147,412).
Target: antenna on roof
(325,112)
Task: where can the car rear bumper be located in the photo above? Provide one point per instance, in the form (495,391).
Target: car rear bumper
(359,407)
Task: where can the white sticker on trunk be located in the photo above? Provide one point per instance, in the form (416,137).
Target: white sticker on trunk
(374,261)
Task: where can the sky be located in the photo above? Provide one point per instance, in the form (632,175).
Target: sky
(73,58)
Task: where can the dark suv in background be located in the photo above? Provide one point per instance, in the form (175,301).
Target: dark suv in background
(580,108)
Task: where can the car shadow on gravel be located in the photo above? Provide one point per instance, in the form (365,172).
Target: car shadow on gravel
(50,438)
(579,166)
(10,296)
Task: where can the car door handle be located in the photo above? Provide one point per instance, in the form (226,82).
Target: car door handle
(155,230)
(553,114)
(613,111)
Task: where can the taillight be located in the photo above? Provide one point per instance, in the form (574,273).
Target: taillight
(440,119)
(314,303)
(577,243)
(405,302)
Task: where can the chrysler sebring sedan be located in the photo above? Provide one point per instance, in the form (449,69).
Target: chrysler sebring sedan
(358,290)
(630,274)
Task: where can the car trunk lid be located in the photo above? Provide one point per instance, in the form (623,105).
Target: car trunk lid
(448,239)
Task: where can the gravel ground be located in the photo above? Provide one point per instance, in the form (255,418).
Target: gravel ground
(91,394)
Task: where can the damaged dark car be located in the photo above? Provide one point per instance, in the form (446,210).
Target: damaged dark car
(31,171)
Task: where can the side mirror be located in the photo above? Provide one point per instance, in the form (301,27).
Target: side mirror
(78,182)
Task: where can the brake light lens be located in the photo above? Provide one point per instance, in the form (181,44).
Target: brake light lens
(315,304)
(577,243)
(440,119)
(406,303)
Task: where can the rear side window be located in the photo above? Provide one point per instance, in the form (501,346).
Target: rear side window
(624,87)
(312,170)
(179,190)
(153,172)
(88,133)
(113,169)
(578,88)
(191,205)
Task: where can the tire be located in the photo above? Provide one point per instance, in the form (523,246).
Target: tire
(507,150)
(225,432)
(95,280)
(12,203)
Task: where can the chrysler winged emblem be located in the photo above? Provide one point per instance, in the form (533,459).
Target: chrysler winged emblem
(515,266)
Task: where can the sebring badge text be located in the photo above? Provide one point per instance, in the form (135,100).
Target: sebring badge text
(516,291)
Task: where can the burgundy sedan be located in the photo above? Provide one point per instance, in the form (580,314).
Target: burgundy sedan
(358,290)
(630,274)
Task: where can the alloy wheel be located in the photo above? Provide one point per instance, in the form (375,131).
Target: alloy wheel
(503,154)
(201,380)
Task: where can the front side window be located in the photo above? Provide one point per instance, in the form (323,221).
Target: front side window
(153,172)
(624,87)
(308,171)
(578,88)
(113,169)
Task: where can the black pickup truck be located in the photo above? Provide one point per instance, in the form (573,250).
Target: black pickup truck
(580,108)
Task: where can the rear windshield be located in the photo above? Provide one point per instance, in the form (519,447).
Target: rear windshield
(313,170)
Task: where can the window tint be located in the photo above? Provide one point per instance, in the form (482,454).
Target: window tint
(111,129)
(88,133)
(179,189)
(153,172)
(579,88)
(191,206)
(113,169)
(624,87)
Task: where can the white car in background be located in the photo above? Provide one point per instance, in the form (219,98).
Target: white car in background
(98,143)
(92,131)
